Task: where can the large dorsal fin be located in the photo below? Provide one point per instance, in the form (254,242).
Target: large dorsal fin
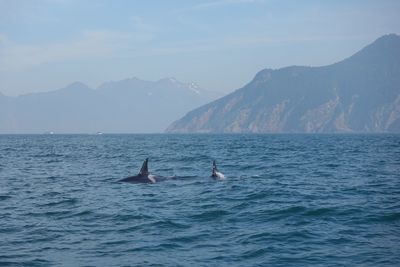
(144,170)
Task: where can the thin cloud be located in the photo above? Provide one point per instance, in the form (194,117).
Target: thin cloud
(108,45)
(220,3)
(139,24)
(90,45)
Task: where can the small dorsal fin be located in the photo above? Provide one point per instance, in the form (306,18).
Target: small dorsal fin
(214,169)
(144,170)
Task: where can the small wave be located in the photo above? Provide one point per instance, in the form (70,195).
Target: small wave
(49,213)
(210,215)
(256,196)
(255,253)
(52,193)
(169,224)
(332,165)
(42,238)
(70,201)
(13,256)
(9,230)
(49,155)
(187,238)
(159,247)
(129,229)
(53,161)
(298,235)
(84,213)
(388,217)
(254,238)
(319,212)
(130,217)
(37,262)
(4,197)
(207,205)
(116,242)
(339,240)
(9,263)
(166,246)
(291,210)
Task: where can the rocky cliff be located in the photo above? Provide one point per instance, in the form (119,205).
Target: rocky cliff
(358,94)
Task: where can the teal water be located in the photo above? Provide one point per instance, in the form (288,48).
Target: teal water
(288,200)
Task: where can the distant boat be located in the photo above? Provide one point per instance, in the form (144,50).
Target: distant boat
(99,133)
(49,132)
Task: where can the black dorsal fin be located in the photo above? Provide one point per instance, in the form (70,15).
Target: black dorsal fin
(144,170)
(214,169)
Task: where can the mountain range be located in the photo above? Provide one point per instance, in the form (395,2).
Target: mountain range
(126,106)
(358,94)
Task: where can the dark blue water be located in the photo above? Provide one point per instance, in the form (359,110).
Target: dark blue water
(288,200)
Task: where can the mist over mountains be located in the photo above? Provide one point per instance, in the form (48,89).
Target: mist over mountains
(358,94)
(126,106)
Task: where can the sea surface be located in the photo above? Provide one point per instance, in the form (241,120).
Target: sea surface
(287,200)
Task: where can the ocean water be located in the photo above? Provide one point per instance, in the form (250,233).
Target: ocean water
(288,200)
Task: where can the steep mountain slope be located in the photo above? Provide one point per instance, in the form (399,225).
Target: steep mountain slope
(131,105)
(358,94)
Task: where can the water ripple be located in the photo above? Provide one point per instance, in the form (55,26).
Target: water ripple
(289,200)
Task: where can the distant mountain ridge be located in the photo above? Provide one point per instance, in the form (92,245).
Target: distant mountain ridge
(358,94)
(126,106)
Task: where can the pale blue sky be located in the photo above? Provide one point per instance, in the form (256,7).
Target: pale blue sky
(220,44)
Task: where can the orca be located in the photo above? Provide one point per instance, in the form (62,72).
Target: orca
(216,174)
(144,176)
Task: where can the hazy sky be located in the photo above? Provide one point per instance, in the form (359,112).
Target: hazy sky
(220,44)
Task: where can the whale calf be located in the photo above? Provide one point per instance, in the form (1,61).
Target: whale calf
(144,176)
(216,174)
